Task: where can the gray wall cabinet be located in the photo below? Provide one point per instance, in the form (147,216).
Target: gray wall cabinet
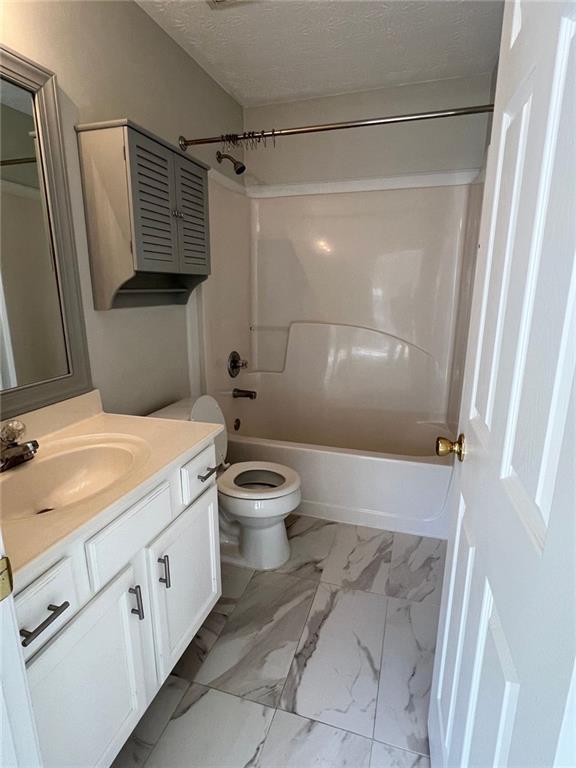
(146,207)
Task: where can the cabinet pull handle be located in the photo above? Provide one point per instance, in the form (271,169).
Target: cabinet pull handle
(165,561)
(55,611)
(209,473)
(139,610)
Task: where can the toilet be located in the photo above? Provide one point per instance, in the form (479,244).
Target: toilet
(254,497)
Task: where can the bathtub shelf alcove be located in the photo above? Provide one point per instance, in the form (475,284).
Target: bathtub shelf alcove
(146,207)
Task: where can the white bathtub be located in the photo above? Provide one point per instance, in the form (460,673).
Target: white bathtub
(403,493)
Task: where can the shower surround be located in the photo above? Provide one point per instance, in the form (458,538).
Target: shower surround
(349,307)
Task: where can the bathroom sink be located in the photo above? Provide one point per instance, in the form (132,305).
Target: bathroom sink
(68,471)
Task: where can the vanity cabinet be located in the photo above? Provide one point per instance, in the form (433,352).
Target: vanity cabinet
(137,586)
(146,206)
(184,578)
(88,684)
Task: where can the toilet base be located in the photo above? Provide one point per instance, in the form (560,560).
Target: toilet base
(236,550)
(264,548)
(259,528)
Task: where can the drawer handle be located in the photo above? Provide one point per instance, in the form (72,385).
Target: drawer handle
(209,473)
(165,561)
(56,611)
(139,610)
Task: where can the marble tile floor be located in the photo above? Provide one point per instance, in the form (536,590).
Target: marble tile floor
(325,662)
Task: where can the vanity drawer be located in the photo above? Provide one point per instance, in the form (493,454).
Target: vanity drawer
(114,546)
(200,465)
(46,604)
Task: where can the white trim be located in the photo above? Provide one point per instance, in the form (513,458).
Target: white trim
(419,180)
(224,181)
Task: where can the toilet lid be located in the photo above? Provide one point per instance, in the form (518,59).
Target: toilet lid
(207,409)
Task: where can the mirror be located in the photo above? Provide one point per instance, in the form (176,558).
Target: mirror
(33,336)
(43,352)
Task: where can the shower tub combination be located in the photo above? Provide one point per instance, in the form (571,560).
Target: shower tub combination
(356,308)
(362,457)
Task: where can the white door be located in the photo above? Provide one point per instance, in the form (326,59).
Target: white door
(87,684)
(184,570)
(506,650)
(18,741)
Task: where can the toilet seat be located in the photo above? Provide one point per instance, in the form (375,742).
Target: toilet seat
(255,485)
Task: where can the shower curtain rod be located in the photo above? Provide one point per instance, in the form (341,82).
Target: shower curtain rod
(257,136)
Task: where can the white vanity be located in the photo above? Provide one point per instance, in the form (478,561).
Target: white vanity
(112,530)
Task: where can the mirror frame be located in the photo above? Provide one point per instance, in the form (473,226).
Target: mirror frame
(42,85)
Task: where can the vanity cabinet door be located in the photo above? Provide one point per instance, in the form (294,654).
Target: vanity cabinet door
(192,203)
(151,169)
(184,571)
(87,684)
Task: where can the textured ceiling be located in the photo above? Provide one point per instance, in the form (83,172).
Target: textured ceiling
(263,51)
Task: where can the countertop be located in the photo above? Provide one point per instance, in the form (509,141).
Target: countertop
(169,442)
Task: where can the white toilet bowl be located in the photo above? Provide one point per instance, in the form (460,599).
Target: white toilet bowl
(255,496)
(259,495)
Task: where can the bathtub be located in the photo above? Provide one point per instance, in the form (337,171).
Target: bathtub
(400,493)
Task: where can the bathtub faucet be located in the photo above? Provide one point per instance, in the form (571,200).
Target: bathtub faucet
(244,393)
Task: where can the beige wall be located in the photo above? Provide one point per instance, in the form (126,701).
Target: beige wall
(112,61)
(439,145)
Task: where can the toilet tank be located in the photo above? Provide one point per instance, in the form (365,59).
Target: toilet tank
(177,410)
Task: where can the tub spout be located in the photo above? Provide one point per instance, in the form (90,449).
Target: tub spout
(244,393)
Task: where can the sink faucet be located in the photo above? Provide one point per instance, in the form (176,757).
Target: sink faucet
(12,452)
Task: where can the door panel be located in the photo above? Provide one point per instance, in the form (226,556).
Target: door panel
(496,695)
(185,586)
(18,739)
(451,649)
(80,723)
(508,629)
(153,204)
(192,201)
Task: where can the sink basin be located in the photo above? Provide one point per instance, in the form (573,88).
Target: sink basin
(66,472)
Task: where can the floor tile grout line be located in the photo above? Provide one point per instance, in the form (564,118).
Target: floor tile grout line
(295,714)
(363,591)
(184,692)
(401,749)
(265,739)
(297,646)
(327,724)
(380,671)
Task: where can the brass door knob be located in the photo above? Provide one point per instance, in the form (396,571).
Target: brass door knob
(445,446)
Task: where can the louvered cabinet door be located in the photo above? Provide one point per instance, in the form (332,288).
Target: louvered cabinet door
(154,205)
(192,205)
